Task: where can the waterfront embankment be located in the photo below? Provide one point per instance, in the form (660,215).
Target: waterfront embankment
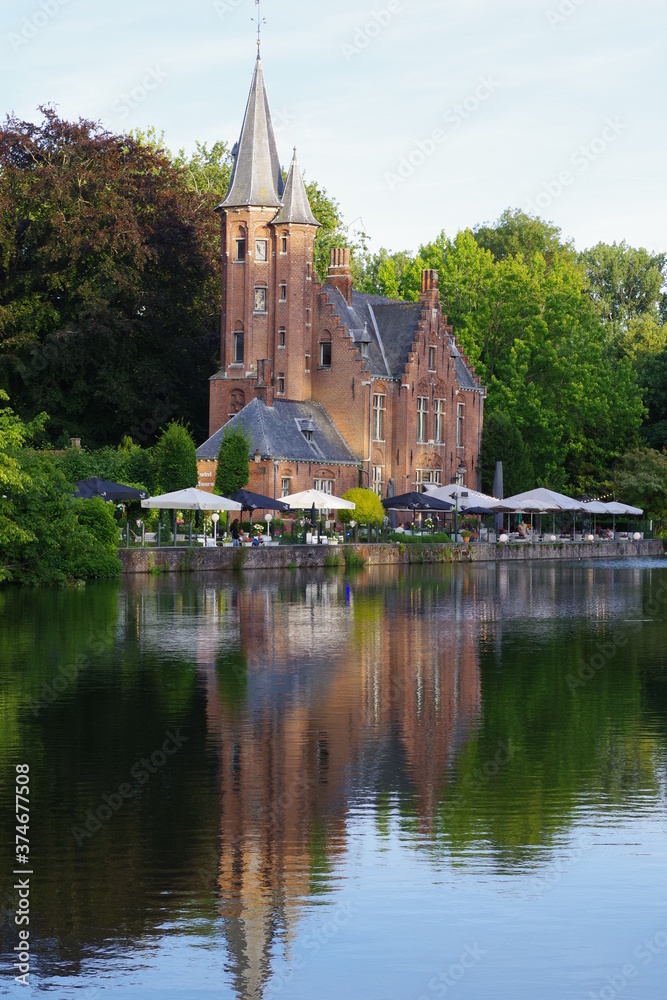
(202,560)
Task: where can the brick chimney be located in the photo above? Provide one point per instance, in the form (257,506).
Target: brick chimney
(429,294)
(340,275)
(264,389)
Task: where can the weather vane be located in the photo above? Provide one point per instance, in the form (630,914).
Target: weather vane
(260,21)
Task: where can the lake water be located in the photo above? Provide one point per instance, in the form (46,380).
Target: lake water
(395,785)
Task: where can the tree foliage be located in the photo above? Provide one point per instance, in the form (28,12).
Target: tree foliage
(233,472)
(108,280)
(175,459)
(368,507)
(502,442)
(640,479)
(46,536)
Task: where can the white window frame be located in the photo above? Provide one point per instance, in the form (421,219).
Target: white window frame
(460,411)
(378,480)
(285,486)
(422,416)
(430,477)
(379,414)
(439,421)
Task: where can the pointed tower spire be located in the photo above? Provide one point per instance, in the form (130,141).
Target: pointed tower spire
(256,176)
(296,207)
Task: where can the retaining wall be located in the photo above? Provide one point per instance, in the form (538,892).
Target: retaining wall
(202,560)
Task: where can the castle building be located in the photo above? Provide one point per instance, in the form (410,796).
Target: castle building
(334,387)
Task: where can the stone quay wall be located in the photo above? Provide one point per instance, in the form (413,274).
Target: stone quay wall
(202,560)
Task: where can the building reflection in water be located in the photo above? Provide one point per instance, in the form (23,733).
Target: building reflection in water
(326,691)
(323,694)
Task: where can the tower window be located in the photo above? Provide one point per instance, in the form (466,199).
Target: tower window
(260,300)
(307,363)
(307,317)
(260,250)
(240,249)
(238,347)
(281,337)
(325,354)
(283,245)
(283,292)
(281,384)
(431,359)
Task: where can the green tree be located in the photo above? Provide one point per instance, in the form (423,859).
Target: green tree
(175,459)
(368,507)
(625,282)
(108,280)
(233,472)
(640,479)
(653,377)
(502,442)
(517,234)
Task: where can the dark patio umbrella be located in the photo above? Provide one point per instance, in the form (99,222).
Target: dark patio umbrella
(257,501)
(86,489)
(477,510)
(416,501)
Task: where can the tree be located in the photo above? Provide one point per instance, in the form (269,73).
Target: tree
(653,377)
(640,479)
(108,280)
(175,459)
(625,282)
(233,472)
(368,507)
(502,442)
(516,233)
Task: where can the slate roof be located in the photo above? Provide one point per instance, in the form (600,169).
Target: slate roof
(392,327)
(296,207)
(277,432)
(256,176)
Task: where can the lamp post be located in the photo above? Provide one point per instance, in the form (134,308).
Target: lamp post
(215,517)
(268,518)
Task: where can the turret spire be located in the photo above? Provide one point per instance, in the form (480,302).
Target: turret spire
(256,176)
(296,207)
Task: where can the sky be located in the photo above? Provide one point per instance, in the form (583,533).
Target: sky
(417,115)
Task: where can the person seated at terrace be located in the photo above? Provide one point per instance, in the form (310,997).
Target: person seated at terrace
(523,530)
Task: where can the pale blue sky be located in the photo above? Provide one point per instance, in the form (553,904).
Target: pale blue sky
(360,86)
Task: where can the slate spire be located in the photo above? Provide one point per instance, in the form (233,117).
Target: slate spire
(296,207)
(256,175)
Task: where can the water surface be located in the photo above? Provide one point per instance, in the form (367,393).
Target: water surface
(401,784)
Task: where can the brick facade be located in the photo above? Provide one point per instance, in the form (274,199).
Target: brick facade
(286,335)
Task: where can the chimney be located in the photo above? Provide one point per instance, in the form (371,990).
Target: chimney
(264,389)
(429,281)
(340,275)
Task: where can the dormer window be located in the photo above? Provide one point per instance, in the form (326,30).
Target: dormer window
(364,350)
(306,426)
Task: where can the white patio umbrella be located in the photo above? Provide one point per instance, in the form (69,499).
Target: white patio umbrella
(595,507)
(615,507)
(550,501)
(191,499)
(316,498)
(466,497)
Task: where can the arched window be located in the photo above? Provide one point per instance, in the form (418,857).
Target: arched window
(237,348)
(325,350)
